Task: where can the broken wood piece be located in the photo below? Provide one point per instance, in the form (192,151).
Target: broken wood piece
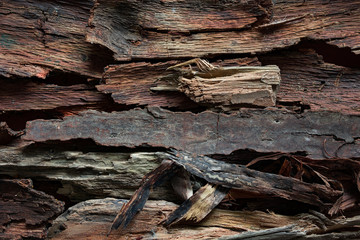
(25,213)
(197,207)
(130,83)
(226,87)
(136,203)
(240,177)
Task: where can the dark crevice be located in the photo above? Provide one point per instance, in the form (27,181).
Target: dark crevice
(62,78)
(17,120)
(331,53)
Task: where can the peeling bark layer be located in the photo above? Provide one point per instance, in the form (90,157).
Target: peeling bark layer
(37,36)
(112,25)
(24,211)
(208,132)
(28,95)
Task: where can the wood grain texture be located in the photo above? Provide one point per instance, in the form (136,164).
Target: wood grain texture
(24,211)
(130,83)
(36,37)
(112,26)
(307,79)
(22,95)
(209,132)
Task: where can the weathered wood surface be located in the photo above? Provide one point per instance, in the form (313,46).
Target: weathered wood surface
(92,220)
(25,213)
(28,95)
(82,174)
(130,83)
(199,205)
(208,132)
(37,37)
(122,27)
(307,79)
(223,87)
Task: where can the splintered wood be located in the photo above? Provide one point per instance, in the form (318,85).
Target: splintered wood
(225,87)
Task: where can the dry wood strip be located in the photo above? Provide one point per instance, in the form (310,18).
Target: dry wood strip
(208,132)
(36,37)
(130,83)
(139,198)
(24,211)
(307,79)
(112,25)
(28,95)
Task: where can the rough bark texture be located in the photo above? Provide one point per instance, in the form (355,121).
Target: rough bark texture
(37,37)
(24,212)
(122,27)
(208,132)
(61,58)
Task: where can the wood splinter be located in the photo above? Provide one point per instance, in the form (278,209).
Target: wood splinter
(225,87)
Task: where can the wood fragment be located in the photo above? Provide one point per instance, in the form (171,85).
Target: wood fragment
(130,83)
(138,200)
(197,207)
(239,177)
(225,87)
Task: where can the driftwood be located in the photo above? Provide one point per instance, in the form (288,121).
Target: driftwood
(92,219)
(208,132)
(24,211)
(157,36)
